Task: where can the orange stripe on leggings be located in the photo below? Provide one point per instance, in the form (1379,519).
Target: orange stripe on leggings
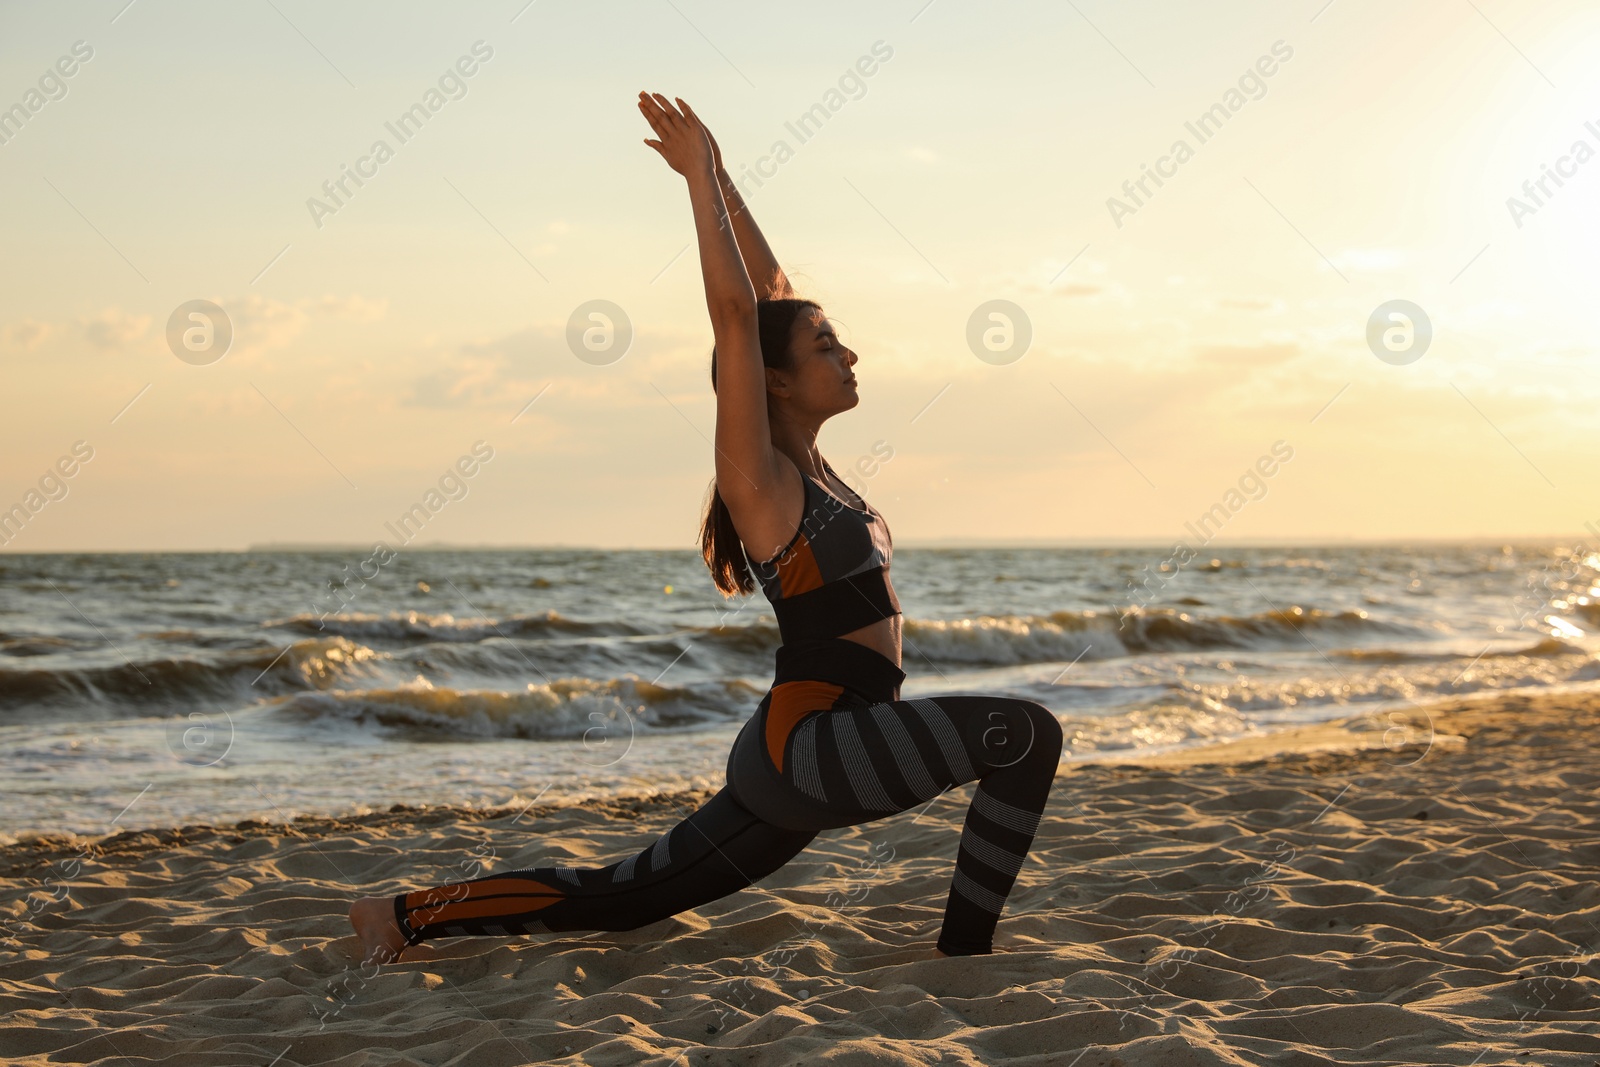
(498,896)
(791,702)
(455,911)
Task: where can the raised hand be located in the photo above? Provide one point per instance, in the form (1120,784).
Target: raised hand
(683,141)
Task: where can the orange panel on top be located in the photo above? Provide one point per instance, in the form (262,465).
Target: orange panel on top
(798,572)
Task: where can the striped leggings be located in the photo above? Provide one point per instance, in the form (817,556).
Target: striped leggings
(827,747)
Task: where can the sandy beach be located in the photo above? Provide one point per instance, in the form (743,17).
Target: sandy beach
(1414,888)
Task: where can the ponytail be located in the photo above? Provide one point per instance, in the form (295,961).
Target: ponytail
(719,541)
(719,544)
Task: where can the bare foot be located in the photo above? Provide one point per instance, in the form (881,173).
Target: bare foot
(381,939)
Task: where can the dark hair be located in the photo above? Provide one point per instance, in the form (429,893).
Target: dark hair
(719,541)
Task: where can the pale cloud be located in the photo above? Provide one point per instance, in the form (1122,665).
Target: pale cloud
(1256,355)
(1249,303)
(1370,260)
(470,382)
(27,334)
(490,371)
(529,343)
(508,369)
(1093,292)
(113,328)
(1058,269)
(355,307)
(261,322)
(1078,289)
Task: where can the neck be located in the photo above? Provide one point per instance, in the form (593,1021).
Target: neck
(797,439)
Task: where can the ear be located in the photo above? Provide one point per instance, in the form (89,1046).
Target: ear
(777,382)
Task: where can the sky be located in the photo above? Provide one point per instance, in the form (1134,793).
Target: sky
(1180,337)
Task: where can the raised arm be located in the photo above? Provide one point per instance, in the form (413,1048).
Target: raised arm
(765,274)
(749,476)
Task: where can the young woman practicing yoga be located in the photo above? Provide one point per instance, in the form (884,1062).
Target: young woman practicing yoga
(831,744)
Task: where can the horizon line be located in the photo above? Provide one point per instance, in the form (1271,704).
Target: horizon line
(288,547)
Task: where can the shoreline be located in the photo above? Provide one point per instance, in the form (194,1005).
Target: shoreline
(1364,734)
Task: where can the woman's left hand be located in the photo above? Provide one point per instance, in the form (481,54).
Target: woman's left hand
(684,142)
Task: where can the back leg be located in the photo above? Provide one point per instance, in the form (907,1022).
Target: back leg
(717,850)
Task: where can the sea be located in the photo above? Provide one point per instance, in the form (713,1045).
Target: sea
(170,689)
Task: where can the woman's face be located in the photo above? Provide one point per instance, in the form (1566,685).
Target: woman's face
(820,379)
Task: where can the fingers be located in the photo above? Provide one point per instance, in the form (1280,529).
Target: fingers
(655,126)
(666,106)
(695,120)
(663,107)
(662,116)
(652,114)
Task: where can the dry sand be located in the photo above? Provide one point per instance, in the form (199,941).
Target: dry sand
(1429,898)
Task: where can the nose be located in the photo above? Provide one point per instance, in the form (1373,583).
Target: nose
(851,357)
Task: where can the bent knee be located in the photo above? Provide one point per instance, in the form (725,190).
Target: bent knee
(1015,732)
(1047,734)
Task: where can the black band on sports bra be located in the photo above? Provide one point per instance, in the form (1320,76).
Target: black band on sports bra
(839,607)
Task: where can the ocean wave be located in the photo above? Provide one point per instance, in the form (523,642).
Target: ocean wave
(1005,640)
(1173,631)
(414,626)
(1389,655)
(1542,665)
(1002,640)
(1549,647)
(137,688)
(569,709)
(984,640)
(38,646)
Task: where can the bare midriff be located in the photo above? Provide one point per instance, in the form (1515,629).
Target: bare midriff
(883,637)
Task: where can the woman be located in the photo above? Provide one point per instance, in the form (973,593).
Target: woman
(831,744)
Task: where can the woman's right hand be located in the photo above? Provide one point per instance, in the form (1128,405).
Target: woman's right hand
(684,142)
